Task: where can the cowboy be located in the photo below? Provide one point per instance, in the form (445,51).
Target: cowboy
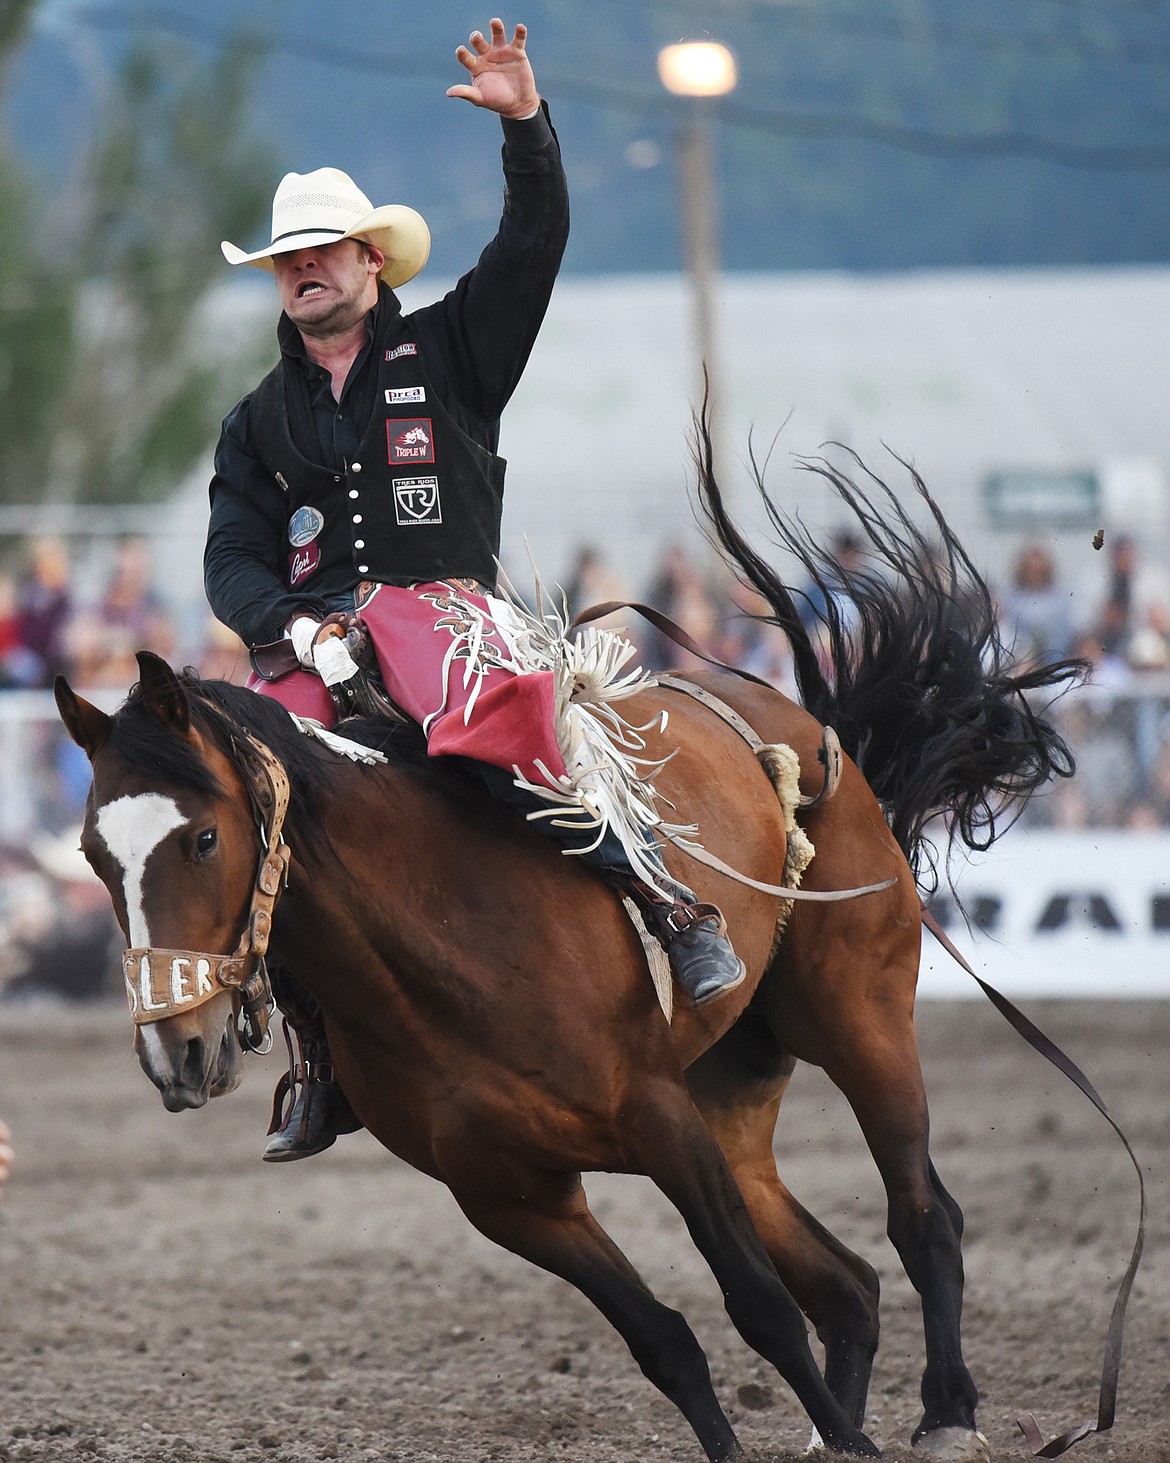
(362,476)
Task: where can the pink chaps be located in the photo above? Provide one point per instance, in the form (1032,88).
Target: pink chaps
(446,663)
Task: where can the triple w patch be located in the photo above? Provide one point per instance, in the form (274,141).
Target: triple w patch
(410,439)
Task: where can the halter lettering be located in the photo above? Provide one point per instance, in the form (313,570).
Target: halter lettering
(161,983)
(204,985)
(131,992)
(145,990)
(179,993)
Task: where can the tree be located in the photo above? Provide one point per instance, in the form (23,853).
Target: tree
(109,390)
(36,310)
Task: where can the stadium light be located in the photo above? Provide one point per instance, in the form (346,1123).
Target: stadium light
(698,71)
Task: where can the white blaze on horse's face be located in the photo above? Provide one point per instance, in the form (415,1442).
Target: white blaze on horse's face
(132,828)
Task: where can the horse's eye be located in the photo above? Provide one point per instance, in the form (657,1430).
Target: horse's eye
(205,842)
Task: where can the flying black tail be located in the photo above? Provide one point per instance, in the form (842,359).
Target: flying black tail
(909,669)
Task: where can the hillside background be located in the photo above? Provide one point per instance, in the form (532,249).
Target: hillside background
(894,134)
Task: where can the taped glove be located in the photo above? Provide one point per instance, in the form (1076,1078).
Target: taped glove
(302,632)
(331,657)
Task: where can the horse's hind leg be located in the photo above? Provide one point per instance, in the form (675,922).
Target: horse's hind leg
(874,1062)
(738,1086)
(676,1149)
(554,1228)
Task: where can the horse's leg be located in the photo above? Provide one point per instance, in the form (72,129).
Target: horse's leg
(874,1061)
(674,1147)
(554,1228)
(738,1086)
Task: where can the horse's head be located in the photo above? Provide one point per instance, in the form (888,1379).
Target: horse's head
(170,830)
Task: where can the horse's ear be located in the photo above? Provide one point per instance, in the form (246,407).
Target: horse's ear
(162,693)
(86,724)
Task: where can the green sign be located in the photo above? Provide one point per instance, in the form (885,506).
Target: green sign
(1035,498)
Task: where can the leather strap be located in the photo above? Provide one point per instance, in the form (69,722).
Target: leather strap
(668,628)
(715,704)
(1111,1364)
(829,754)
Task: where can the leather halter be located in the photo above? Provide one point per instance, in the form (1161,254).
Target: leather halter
(164,983)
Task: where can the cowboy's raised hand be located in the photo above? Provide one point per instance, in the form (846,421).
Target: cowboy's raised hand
(501,76)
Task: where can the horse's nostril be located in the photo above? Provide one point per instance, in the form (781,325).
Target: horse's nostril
(192,1074)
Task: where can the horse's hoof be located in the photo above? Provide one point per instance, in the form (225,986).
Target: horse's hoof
(854,1445)
(954,1445)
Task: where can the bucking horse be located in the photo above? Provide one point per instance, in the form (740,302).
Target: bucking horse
(488,1003)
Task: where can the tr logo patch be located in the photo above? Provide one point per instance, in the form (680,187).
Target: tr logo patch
(416,500)
(408,348)
(409,439)
(304,526)
(303,563)
(399,394)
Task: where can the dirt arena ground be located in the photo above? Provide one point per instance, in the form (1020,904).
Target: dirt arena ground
(163,1295)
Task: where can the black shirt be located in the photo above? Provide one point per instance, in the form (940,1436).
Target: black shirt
(476,341)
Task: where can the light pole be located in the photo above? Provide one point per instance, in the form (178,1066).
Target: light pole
(699,70)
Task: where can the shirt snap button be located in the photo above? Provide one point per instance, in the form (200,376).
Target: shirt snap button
(355,467)
(363,568)
(353,492)
(359,543)
(357,517)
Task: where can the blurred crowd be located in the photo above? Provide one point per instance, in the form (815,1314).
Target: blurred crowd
(1117,723)
(46,627)
(56,929)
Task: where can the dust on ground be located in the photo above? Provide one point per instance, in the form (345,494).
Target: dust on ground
(164,1295)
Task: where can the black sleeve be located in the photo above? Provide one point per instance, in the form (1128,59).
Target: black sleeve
(485,328)
(243,572)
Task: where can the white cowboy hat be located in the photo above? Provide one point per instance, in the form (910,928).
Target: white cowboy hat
(327,205)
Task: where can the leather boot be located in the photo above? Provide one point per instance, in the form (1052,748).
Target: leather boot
(319,1110)
(694,937)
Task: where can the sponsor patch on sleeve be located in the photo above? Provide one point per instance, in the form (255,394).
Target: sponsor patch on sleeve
(407,348)
(410,439)
(416,500)
(398,394)
(303,563)
(304,526)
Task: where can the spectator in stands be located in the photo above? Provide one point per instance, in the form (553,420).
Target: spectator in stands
(747,642)
(848,557)
(7,1155)
(679,590)
(223,656)
(131,605)
(42,613)
(1036,610)
(592,582)
(9,632)
(1114,619)
(129,617)
(1148,648)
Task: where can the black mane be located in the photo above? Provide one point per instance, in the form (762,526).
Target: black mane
(220,710)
